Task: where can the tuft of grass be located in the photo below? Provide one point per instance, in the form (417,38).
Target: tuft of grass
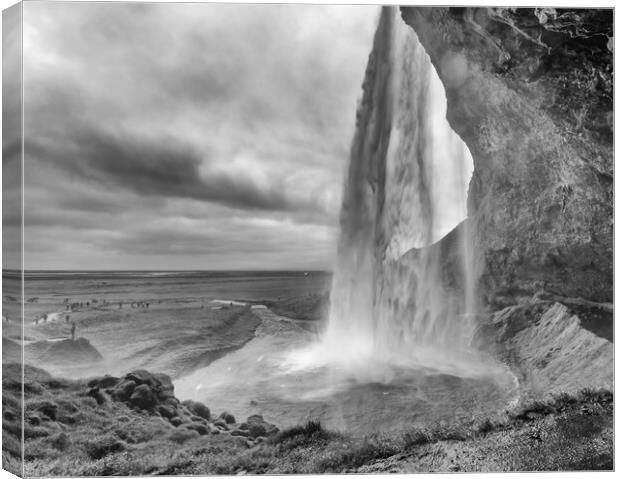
(365,452)
(101,447)
(60,441)
(183,435)
(310,429)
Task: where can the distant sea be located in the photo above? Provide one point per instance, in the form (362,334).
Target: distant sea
(144,285)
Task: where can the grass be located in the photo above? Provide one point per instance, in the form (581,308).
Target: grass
(564,432)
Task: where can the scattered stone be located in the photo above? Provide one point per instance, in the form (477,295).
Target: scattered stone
(198,409)
(176,421)
(221,425)
(124,390)
(201,429)
(257,430)
(257,426)
(167,411)
(239,432)
(195,418)
(227,417)
(142,377)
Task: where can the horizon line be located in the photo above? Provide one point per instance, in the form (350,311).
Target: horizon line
(165,270)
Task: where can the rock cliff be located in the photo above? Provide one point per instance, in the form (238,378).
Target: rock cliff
(530,93)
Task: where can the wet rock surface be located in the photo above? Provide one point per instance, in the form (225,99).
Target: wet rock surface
(530,92)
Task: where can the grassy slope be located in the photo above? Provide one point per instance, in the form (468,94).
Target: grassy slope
(570,432)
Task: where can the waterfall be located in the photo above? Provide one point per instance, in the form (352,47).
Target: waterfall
(398,294)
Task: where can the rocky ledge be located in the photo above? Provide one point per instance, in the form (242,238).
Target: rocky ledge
(154,394)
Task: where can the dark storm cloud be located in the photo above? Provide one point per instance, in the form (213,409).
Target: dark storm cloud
(157,167)
(137,114)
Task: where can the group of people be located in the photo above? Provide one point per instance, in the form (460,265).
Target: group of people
(138,304)
(76,306)
(80,305)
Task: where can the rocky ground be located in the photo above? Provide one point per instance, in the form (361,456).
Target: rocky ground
(135,425)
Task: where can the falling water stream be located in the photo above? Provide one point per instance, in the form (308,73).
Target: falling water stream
(396,349)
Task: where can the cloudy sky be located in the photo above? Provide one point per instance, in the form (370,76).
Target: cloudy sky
(196,136)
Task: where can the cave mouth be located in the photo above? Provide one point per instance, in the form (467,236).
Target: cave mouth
(396,348)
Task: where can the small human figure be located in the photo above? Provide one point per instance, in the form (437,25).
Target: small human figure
(36,321)
(147,305)
(67,318)
(120,305)
(87,304)
(73,331)
(45,318)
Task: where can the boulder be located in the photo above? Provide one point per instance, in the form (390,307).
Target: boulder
(227,417)
(176,421)
(164,382)
(143,397)
(142,377)
(257,430)
(167,411)
(198,409)
(257,426)
(124,390)
(201,429)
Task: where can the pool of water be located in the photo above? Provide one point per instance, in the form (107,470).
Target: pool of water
(283,376)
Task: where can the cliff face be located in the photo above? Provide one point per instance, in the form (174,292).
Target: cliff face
(530,93)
